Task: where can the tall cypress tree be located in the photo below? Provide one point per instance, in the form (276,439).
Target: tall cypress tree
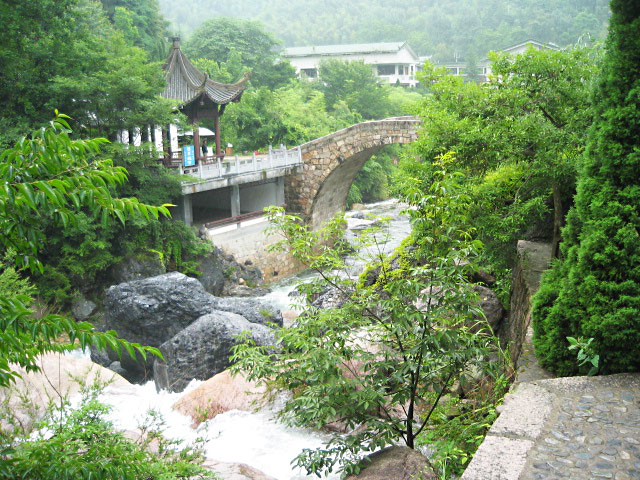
(595,291)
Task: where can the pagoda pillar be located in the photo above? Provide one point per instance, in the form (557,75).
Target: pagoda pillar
(216,122)
(196,142)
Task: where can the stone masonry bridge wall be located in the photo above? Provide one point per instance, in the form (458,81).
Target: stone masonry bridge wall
(330,163)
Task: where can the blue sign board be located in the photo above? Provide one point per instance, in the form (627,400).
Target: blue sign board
(188,156)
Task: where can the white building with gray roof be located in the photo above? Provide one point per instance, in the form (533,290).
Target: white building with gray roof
(394,62)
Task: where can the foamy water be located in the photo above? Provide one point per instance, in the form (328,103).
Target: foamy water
(254,438)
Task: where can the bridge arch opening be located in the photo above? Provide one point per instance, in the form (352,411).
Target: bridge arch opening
(330,164)
(332,195)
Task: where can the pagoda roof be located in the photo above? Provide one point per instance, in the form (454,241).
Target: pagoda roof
(185,82)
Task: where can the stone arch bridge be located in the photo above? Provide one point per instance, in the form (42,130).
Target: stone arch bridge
(318,189)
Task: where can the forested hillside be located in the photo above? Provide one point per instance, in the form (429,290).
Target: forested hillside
(440,27)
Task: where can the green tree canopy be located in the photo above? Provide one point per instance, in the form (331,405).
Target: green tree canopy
(383,360)
(143,20)
(518,138)
(223,39)
(442,28)
(68,55)
(355,84)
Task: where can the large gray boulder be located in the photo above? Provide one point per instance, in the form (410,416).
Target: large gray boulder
(491,306)
(152,310)
(211,276)
(256,311)
(82,308)
(203,348)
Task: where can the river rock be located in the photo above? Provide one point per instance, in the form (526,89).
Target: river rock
(256,311)
(397,463)
(211,276)
(235,471)
(59,375)
(244,291)
(289,317)
(82,308)
(152,310)
(491,306)
(203,348)
(137,267)
(219,394)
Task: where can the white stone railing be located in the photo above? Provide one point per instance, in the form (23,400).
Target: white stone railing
(275,158)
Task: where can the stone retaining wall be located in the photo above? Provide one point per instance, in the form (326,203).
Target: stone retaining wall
(533,259)
(251,244)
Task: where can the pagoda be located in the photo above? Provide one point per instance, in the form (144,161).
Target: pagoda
(197,95)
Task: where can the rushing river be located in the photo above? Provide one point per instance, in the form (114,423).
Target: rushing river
(254,438)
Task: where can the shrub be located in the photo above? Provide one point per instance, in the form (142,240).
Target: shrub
(80,444)
(598,282)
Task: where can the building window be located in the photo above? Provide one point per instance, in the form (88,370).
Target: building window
(309,72)
(386,69)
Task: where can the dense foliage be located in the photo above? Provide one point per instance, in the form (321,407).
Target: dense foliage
(141,22)
(444,28)
(242,46)
(50,177)
(593,291)
(384,359)
(517,138)
(68,55)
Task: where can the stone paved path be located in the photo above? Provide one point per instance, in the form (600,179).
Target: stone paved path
(578,428)
(593,433)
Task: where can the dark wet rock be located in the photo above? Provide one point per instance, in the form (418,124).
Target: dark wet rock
(82,308)
(137,267)
(491,306)
(397,463)
(244,291)
(152,310)
(211,268)
(329,298)
(203,348)
(255,311)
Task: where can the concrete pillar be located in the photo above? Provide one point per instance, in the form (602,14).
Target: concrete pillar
(157,140)
(185,209)
(235,200)
(279,191)
(173,138)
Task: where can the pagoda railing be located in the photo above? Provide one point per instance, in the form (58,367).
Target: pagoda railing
(212,167)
